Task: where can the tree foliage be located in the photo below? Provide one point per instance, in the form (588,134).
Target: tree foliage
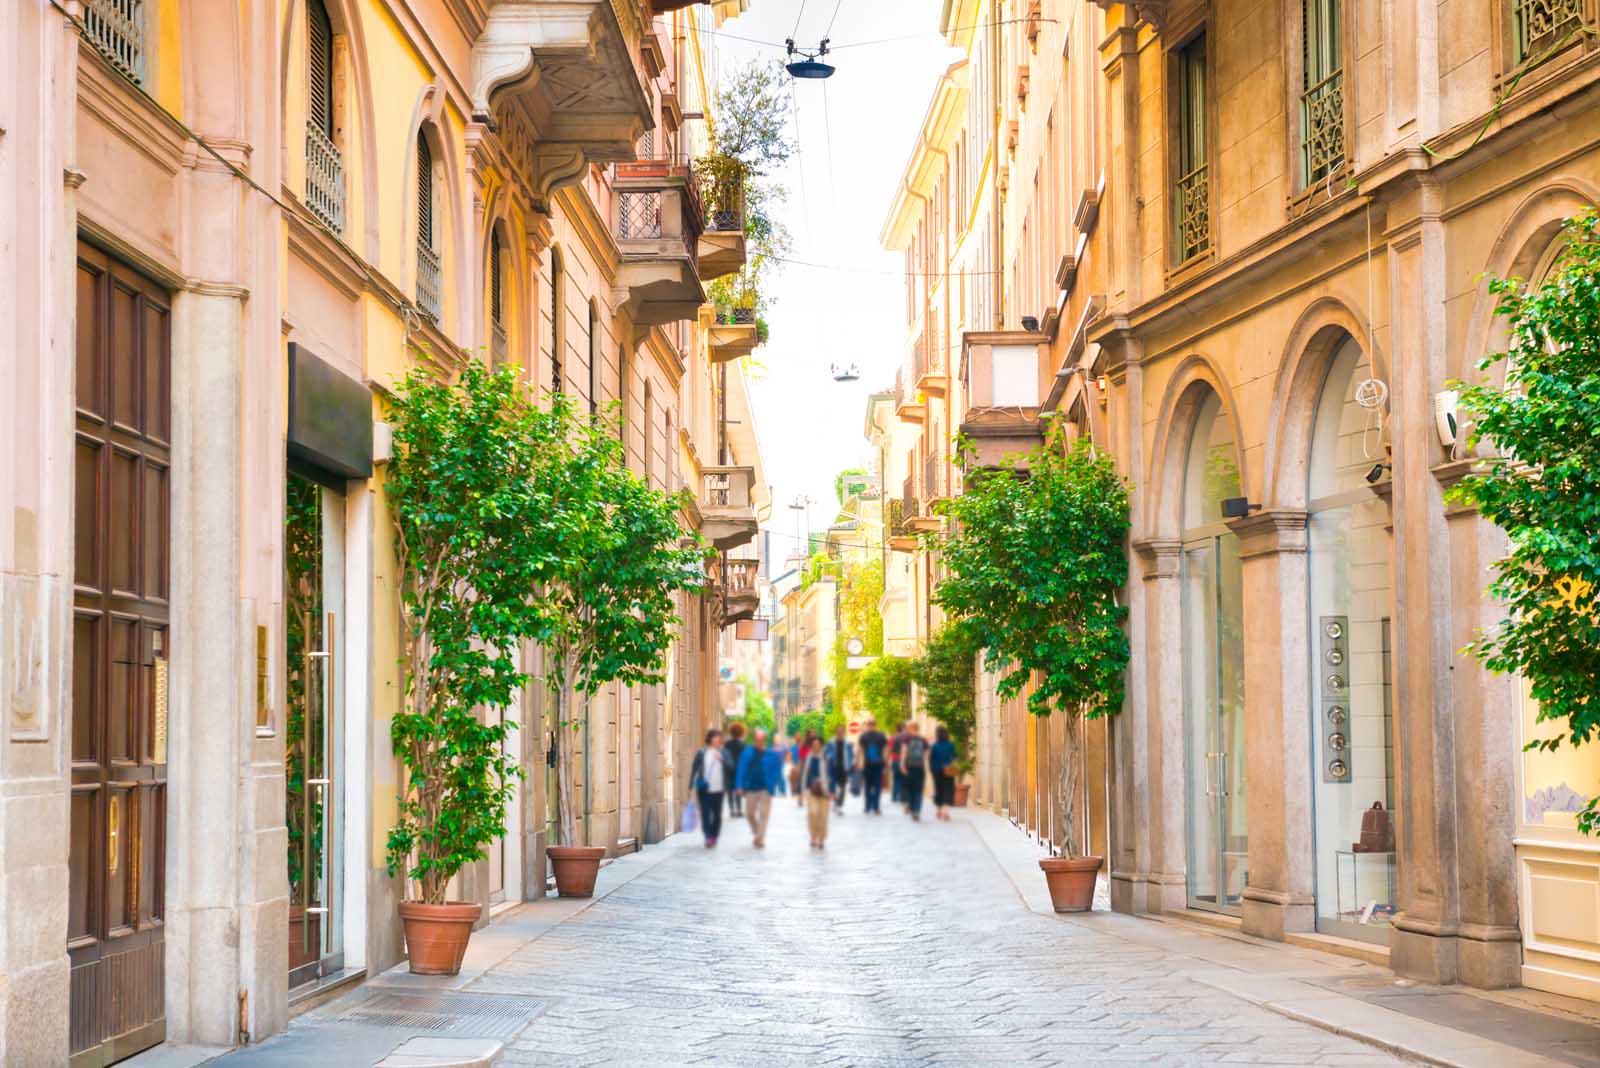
(750,126)
(1543,490)
(946,678)
(1035,562)
(613,561)
(758,710)
(886,688)
(802,723)
(462,494)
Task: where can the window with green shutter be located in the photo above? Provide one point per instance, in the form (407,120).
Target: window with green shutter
(1322,92)
(1191,195)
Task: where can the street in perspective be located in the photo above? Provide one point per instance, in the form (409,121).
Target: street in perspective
(743,533)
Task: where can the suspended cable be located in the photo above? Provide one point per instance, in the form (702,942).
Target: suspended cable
(827,33)
(797,17)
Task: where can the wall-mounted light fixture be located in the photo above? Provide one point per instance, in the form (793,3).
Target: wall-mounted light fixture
(1238,507)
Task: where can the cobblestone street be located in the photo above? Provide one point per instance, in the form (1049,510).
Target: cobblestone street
(902,944)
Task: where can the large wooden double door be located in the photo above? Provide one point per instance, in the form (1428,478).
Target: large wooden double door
(120,648)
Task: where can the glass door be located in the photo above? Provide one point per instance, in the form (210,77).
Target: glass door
(313,600)
(1213,688)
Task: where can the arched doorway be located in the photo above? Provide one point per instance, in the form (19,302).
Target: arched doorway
(1351,594)
(1213,665)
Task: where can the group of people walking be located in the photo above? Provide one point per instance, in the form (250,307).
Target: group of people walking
(747,775)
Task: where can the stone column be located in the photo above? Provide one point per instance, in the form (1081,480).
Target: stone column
(1281,896)
(1427,926)
(1155,738)
(37,261)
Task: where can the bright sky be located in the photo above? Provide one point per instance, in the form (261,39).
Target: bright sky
(855,135)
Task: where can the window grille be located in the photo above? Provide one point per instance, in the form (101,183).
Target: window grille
(639,215)
(1192,192)
(1541,26)
(557,378)
(594,360)
(116,28)
(499,343)
(429,272)
(324,166)
(1322,101)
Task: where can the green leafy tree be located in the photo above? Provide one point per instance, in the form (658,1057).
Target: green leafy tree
(612,561)
(461,491)
(1543,490)
(886,689)
(801,723)
(946,677)
(1035,562)
(758,710)
(860,592)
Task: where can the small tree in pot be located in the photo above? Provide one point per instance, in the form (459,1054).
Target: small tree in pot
(460,492)
(613,559)
(1035,560)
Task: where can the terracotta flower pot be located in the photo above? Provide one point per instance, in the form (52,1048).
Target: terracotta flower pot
(576,868)
(436,935)
(963,792)
(1071,881)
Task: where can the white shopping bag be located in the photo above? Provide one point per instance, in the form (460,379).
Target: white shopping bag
(691,817)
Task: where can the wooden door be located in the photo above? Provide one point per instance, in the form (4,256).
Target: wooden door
(120,647)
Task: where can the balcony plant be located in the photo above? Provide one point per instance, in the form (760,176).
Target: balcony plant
(721,180)
(1541,485)
(613,561)
(462,498)
(1034,565)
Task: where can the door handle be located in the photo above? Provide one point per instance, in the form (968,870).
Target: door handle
(1210,758)
(1222,774)
(113,833)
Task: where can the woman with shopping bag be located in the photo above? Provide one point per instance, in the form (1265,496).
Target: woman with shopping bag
(712,776)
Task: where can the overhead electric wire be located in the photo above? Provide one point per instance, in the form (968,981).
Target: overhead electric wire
(837,4)
(797,17)
(783,46)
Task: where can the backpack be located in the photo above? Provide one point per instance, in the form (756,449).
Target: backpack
(916,752)
(874,754)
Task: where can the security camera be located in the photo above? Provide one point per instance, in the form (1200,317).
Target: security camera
(1444,417)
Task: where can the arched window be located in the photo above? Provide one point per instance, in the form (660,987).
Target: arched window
(594,359)
(429,281)
(557,315)
(1352,703)
(498,345)
(1213,665)
(324,166)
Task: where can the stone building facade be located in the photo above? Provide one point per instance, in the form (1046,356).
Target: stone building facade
(229,230)
(1241,245)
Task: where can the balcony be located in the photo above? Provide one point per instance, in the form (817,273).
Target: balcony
(909,405)
(899,537)
(722,243)
(1000,370)
(324,178)
(916,513)
(735,579)
(928,373)
(935,480)
(733,334)
(573,71)
(727,507)
(116,29)
(656,219)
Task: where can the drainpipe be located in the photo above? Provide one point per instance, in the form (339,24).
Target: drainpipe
(994,181)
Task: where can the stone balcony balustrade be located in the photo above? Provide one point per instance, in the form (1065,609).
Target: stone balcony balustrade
(727,506)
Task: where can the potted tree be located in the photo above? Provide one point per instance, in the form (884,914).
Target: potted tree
(1035,557)
(946,674)
(460,493)
(615,558)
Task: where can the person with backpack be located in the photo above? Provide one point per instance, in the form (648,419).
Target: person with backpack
(872,752)
(896,744)
(712,776)
(733,747)
(914,769)
(760,776)
(816,784)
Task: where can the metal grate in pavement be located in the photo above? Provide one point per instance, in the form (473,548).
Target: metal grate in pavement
(479,1015)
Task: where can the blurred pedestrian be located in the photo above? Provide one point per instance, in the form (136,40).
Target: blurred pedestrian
(841,758)
(914,769)
(816,782)
(898,794)
(942,763)
(760,776)
(711,772)
(872,750)
(734,746)
(796,753)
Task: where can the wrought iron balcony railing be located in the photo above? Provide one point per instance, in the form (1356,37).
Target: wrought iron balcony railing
(324,178)
(116,29)
(1192,213)
(935,480)
(1538,26)
(430,286)
(499,346)
(1322,128)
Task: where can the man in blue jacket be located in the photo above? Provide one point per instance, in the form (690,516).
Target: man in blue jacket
(760,776)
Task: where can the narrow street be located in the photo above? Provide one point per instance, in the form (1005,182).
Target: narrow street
(900,945)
